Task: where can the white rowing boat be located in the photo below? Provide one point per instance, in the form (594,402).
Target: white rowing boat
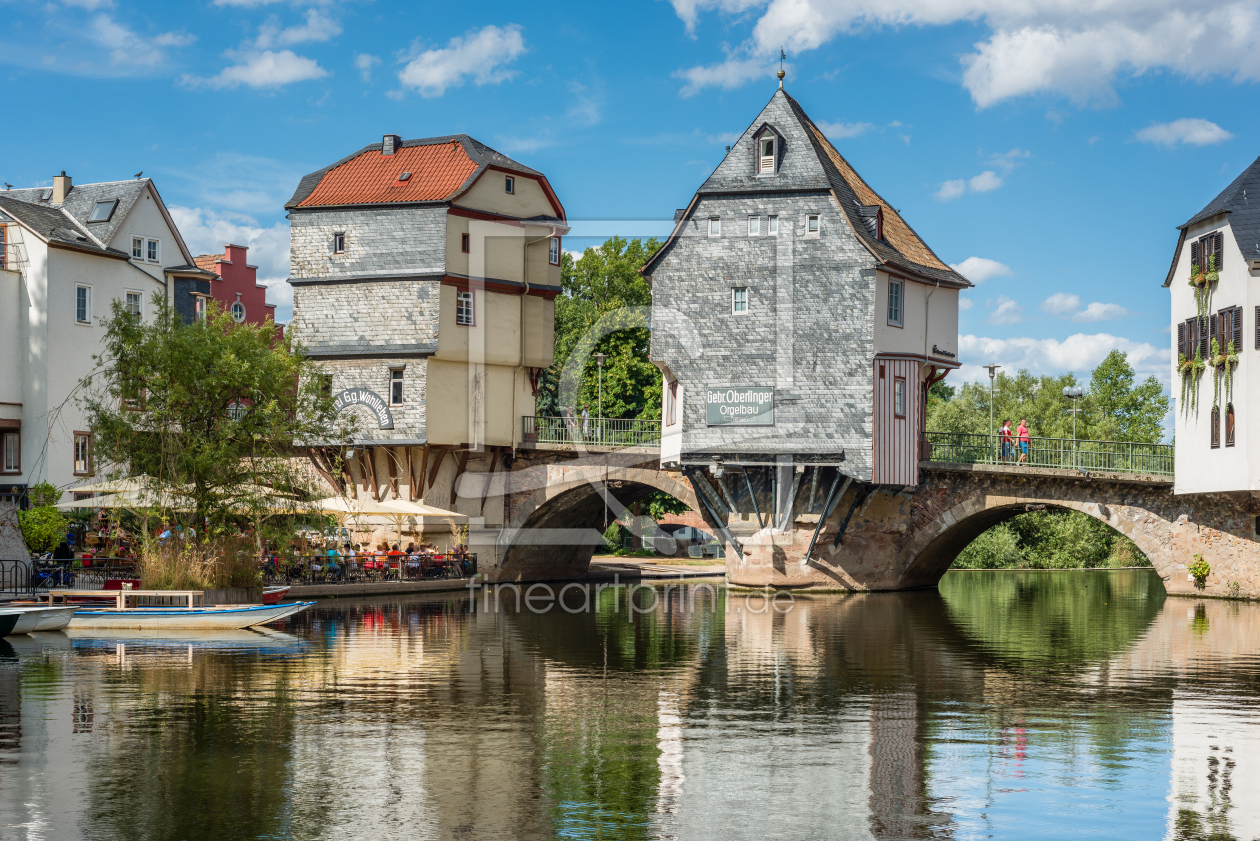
(36,617)
(183,618)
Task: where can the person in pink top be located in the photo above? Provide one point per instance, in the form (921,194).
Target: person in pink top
(1022,435)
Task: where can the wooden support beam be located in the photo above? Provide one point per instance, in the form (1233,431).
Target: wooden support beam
(391,467)
(494,465)
(862,494)
(832,500)
(437,464)
(319,462)
(424,468)
(371,471)
(753,496)
(707,497)
(411,478)
(461,462)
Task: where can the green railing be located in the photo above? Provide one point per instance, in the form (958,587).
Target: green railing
(591,432)
(1092,456)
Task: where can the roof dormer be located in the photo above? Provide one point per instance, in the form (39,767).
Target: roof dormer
(767,150)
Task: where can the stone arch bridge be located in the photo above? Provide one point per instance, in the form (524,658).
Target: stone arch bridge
(872,538)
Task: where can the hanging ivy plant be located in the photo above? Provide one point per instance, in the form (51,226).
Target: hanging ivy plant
(1214,356)
(1196,368)
(1231,362)
(1183,368)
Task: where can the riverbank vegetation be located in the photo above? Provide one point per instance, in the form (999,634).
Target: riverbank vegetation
(1116,407)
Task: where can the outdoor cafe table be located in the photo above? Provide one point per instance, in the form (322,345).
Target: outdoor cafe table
(121,596)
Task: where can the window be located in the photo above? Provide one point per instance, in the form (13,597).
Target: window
(895,290)
(199,308)
(772,225)
(765,158)
(464,307)
(82,453)
(103,210)
(339,242)
(553,251)
(10,451)
(899,397)
(151,247)
(465,243)
(1229,424)
(715,227)
(739,300)
(83,304)
(671,411)
(1216,427)
(406,176)
(811,224)
(135,303)
(236,410)
(238,311)
(754,226)
(509,184)
(137,248)
(395,386)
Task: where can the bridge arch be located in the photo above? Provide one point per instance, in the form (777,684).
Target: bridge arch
(551,531)
(938,542)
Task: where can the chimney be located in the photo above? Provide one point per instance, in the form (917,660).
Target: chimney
(61,187)
(390,144)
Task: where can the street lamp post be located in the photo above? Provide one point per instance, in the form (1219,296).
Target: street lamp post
(599,360)
(992,366)
(1074,393)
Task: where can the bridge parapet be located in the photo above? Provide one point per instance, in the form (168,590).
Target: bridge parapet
(1060,453)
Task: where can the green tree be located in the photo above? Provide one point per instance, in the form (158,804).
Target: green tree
(211,412)
(1121,411)
(604,290)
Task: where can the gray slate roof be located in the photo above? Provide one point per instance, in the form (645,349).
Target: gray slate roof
(53,224)
(478,152)
(1244,218)
(82,201)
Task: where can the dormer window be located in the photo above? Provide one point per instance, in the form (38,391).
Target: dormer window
(406,176)
(765,155)
(509,184)
(103,211)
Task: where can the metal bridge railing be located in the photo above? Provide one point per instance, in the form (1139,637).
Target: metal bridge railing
(593,432)
(1065,453)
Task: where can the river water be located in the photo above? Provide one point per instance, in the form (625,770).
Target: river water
(1030,705)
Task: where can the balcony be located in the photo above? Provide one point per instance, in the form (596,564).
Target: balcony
(604,433)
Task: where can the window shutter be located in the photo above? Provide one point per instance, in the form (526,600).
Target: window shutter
(1194,252)
(1213,324)
(1218,248)
(1181,339)
(1205,343)
(1236,336)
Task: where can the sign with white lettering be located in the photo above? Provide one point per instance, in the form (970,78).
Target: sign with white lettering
(369,399)
(743,405)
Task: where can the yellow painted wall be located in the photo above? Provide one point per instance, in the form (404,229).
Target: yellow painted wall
(495,337)
(450,419)
(488,194)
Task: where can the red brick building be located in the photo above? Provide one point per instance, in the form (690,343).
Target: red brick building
(237,287)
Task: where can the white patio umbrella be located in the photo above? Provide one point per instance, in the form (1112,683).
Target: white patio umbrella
(128,501)
(113,486)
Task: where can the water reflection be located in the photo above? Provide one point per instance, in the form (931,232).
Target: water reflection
(1032,705)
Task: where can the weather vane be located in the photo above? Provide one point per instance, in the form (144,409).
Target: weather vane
(782,56)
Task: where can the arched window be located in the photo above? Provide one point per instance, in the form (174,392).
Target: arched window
(1216,426)
(1229,425)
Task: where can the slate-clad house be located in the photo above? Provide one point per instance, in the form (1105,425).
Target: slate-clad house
(1214,300)
(67,252)
(425,274)
(797,318)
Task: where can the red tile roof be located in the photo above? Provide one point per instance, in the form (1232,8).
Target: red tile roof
(437,170)
(206,261)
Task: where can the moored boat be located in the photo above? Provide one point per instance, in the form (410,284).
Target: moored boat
(274,593)
(184,618)
(35,617)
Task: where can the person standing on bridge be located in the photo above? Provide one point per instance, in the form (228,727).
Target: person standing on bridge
(1022,435)
(586,420)
(1008,441)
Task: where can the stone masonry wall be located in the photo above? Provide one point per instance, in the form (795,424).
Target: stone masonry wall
(354,317)
(409,418)
(379,241)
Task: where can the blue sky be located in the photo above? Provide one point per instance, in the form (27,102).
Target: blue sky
(1049,147)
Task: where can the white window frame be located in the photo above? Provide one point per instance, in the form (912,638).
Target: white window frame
(553,251)
(154,247)
(232,311)
(815,220)
(715,226)
(200,305)
(139,299)
(465,308)
(754,226)
(509,185)
(339,242)
(85,437)
(896,302)
(396,376)
(137,248)
(773,156)
(7,435)
(772,225)
(899,398)
(87,303)
(739,296)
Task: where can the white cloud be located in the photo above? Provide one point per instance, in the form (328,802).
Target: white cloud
(839,131)
(1075,49)
(476,54)
(1100,312)
(980,269)
(127,48)
(318,27)
(236,184)
(965,303)
(985,182)
(266,69)
(89,5)
(1006,161)
(1078,353)
(587,107)
(1005,311)
(205,231)
(726,75)
(1061,303)
(365,63)
(1195,132)
(951,190)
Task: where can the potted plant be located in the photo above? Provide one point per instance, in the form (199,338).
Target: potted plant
(1199,570)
